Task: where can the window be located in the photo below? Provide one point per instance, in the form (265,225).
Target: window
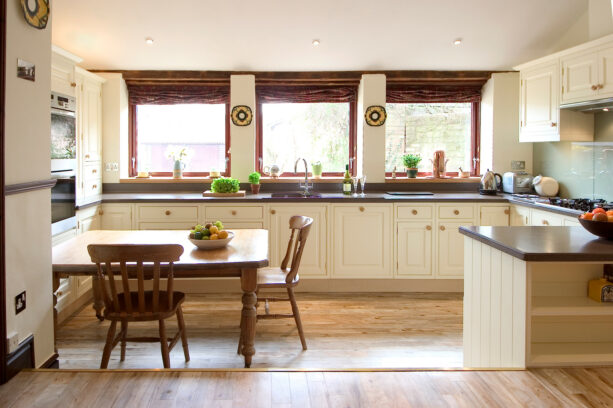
(315,123)
(166,121)
(417,125)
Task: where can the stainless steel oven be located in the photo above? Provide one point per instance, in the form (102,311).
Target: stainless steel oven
(63,163)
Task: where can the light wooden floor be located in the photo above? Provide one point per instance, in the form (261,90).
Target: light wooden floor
(574,387)
(342,331)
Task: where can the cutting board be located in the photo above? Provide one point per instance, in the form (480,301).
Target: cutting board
(209,193)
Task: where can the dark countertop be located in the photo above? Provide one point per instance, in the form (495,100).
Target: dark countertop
(325,197)
(544,244)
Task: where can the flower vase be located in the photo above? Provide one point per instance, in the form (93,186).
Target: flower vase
(177,171)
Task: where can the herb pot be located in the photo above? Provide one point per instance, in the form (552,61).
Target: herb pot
(255,188)
(411,173)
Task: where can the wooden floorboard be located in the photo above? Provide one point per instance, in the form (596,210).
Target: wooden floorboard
(554,387)
(342,331)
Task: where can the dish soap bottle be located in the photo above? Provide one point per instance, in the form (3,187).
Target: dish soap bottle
(347,181)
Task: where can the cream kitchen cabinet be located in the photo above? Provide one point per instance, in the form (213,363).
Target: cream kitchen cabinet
(63,71)
(88,219)
(171,216)
(361,237)
(449,241)
(248,216)
(545,218)
(414,249)
(539,104)
(520,216)
(587,75)
(494,215)
(314,258)
(116,216)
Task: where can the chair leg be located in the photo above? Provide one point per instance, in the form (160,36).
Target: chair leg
(164,344)
(296,314)
(181,323)
(124,334)
(108,346)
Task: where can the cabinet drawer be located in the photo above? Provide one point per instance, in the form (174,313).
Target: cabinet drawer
(92,187)
(184,225)
(544,219)
(414,212)
(92,171)
(456,211)
(168,213)
(238,213)
(243,225)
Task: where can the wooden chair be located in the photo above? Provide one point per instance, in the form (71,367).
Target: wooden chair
(282,277)
(124,306)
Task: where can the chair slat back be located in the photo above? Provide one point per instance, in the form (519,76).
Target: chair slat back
(130,256)
(300,226)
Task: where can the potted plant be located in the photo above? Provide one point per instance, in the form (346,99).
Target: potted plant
(179,156)
(411,161)
(254,179)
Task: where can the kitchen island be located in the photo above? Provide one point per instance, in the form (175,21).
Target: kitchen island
(525,298)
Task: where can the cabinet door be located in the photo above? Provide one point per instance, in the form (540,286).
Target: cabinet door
(313,261)
(116,217)
(414,249)
(545,219)
(88,219)
(605,72)
(91,121)
(570,222)
(84,283)
(494,216)
(361,237)
(539,105)
(62,75)
(520,216)
(450,249)
(579,77)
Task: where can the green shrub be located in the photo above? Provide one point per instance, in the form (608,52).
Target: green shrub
(254,178)
(411,161)
(225,185)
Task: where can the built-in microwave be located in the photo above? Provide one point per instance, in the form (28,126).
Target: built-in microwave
(63,163)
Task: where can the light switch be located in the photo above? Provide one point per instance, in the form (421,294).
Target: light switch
(115,166)
(107,166)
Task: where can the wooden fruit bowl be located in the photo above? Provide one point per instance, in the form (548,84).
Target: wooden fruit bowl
(598,228)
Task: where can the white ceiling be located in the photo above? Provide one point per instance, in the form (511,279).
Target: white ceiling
(276,35)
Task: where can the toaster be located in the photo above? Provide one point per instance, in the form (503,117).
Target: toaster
(517,182)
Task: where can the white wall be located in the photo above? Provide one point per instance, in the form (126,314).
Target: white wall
(500,125)
(28,215)
(242,92)
(114,127)
(371,139)
(600,18)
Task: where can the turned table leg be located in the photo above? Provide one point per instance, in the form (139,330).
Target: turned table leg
(98,301)
(248,315)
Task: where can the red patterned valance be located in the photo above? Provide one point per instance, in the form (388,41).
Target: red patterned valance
(305,94)
(177,94)
(432,94)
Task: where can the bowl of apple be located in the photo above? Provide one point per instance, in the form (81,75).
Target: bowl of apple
(599,222)
(210,236)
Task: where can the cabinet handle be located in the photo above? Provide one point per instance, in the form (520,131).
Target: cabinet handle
(95,186)
(59,293)
(600,86)
(414,212)
(167,212)
(87,156)
(594,87)
(456,212)
(442,228)
(362,209)
(506,211)
(428,227)
(545,222)
(233,212)
(94,171)
(101,212)
(554,124)
(73,84)
(273,212)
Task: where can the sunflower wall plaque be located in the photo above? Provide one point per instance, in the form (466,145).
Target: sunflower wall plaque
(36,12)
(375,115)
(241,115)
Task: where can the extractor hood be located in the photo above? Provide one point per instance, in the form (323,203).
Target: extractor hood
(598,105)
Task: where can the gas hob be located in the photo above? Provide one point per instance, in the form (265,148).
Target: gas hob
(579,204)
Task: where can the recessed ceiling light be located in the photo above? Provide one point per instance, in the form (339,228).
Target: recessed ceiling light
(315,43)
(605,109)
(457,41)
(149,41)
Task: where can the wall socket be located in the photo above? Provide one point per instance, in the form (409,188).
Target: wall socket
(518,165)
(20,302)
(12,342)
(111,166)
(115,166)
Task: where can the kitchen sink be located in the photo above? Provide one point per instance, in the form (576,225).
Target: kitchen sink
(295,195)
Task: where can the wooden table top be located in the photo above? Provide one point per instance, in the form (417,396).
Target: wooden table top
(248,249)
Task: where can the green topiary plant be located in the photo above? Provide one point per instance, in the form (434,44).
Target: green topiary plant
(411,161)
(254,178)
(225,185)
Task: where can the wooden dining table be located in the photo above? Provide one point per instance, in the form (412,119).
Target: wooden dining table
(241,258)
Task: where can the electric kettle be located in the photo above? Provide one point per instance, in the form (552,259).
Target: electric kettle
(491,183)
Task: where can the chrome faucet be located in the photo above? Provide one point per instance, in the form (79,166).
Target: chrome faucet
(306,187)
